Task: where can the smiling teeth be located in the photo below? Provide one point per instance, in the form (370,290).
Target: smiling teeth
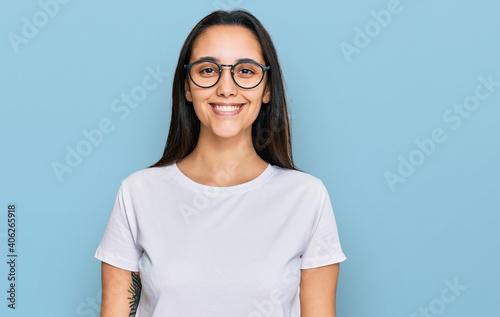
(227,108)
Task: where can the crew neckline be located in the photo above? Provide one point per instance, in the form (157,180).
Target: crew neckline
(174,173)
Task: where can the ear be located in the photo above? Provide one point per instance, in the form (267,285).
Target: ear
(188,91)
(266,98)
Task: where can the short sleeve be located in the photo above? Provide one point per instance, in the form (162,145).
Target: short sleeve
(324,245)
(118,246)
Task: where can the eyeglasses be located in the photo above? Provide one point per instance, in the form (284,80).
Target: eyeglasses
(206,74)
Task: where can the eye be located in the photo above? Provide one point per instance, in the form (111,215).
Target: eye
(208,71)
(246,71)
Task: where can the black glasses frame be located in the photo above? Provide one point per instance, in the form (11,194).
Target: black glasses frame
(188,67)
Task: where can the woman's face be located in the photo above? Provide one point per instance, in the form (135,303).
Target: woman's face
(227,44)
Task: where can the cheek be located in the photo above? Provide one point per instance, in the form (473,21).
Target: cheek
(200,102)
(259,98)
(199,96)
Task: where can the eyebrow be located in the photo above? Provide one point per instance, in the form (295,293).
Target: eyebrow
(217,60)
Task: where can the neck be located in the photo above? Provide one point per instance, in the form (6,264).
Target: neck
(221,161)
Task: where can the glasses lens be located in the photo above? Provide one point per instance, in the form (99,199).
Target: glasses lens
(205,74)
(248,75)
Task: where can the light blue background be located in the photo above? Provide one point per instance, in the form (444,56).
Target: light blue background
(350,120)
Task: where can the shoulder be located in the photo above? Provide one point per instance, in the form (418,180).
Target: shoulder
(298,178)
(301,188)
(144,177)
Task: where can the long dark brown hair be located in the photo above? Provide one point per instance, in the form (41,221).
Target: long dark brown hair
(271,136)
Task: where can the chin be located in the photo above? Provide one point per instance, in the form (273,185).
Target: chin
(227,133)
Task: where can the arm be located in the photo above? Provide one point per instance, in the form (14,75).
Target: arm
(121,291)
(318,288)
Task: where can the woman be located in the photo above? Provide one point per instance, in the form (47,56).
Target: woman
(223,224)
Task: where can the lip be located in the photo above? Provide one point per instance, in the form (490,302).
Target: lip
(226,113)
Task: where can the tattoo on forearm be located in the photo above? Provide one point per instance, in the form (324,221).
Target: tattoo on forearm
(135,290)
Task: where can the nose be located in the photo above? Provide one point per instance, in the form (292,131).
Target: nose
(226,86)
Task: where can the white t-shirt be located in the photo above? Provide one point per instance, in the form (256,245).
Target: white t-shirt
(205,251)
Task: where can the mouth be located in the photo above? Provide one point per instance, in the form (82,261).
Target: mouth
(227,109)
